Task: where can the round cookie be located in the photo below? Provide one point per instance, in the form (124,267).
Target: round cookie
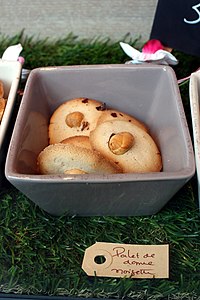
(74,117)
(112,115)
(27,162)
(2,107)
(129,146)
(1,89)
(69,159)
(78,140)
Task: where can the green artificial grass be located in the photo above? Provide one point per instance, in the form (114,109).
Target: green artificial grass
(42,255)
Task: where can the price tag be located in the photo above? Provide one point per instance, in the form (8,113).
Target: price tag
(124,260)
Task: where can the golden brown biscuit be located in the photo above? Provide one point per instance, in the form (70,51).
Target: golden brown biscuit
(112,115)
(74,117)
(1,89)
(27,162)
(2,107)
(129,146)
(79,140)
(67,159)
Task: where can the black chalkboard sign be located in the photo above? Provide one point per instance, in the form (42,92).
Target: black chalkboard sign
(177,25)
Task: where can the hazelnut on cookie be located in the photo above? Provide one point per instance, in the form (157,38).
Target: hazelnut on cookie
(129,146)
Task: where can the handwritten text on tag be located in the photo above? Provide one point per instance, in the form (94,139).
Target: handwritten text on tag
(124,260)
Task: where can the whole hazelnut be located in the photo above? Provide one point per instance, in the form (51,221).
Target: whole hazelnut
(121,142)
(74,119)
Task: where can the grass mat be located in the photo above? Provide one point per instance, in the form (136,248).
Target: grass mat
(42,255)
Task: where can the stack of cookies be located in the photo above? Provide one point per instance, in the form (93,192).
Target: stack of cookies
(85,137)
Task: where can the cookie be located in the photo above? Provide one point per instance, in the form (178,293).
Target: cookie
(26,162)
(2,107)
(74,117)
(1,89)
(79,140)
(112,115)
(34,129)
(70,159)
(129,146)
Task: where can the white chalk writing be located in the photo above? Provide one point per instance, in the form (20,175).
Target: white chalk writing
(197,20)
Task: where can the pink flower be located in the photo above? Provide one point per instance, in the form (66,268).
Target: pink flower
(152,52)
(21,60)
(152,46)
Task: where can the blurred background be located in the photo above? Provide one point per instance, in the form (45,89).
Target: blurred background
(84,18)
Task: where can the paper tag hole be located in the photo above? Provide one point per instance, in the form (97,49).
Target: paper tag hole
(100,259)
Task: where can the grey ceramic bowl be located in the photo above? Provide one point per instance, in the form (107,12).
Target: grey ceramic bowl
(148,92)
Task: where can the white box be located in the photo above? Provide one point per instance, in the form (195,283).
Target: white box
(194,91)
(10,72)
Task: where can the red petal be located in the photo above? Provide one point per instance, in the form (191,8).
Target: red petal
(152,46)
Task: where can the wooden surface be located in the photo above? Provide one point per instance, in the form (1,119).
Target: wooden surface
(84,18)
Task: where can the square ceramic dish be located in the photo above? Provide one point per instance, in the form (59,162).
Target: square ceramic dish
(148,92)
(9,75)
(195,113)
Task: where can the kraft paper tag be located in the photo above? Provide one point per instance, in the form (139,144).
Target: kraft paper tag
(124,260)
